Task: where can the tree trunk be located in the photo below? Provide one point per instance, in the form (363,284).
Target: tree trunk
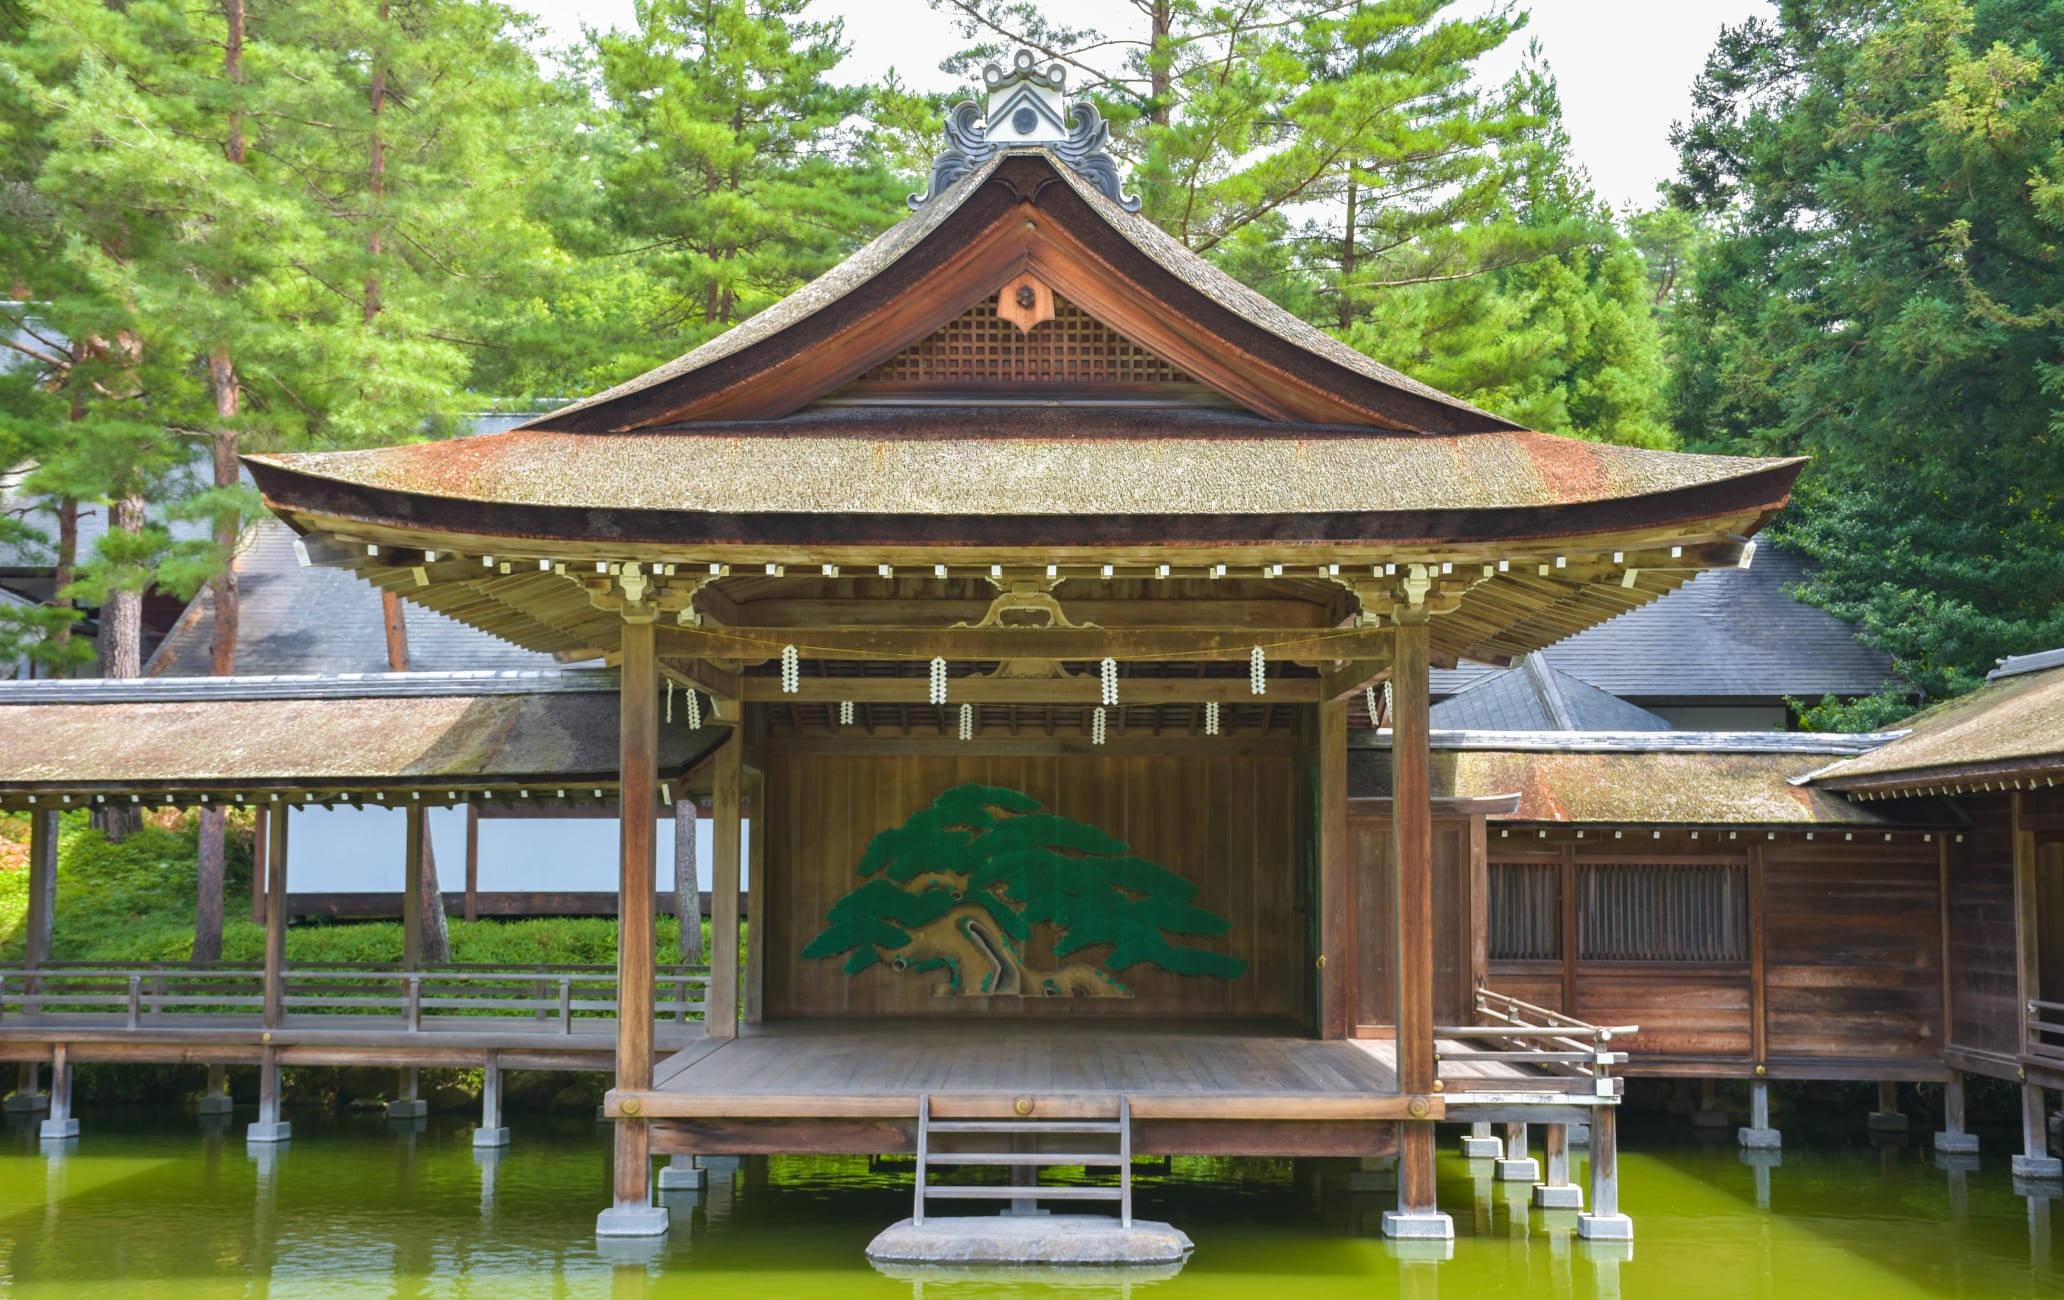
(687,882)
(67,566)
(1347,259)
(121,653)
(1160,59)
(376,184)
(207,944)
(233,147)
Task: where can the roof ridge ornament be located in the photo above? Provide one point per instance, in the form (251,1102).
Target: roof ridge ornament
(1027,106)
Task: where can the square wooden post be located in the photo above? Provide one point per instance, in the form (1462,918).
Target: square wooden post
(633,1214)
(472,862)
(61,1124)
(756,861)
(412,889)
(261,834)
(1605,1222)
(720,1020)
(2035,1163)
(276,918)
(41,922)
(1555,1191)
(1336,957)
(1954,1139)
(491,1133)
(1418,1213)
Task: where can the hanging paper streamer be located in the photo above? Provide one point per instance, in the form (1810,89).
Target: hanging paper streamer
(967,722)
(1211,718)
(845,713)
(938,681)
(669,699)
(1257,671)
(1096,727)
(1375,713)
(791,670)
(694,710)
(1110,669)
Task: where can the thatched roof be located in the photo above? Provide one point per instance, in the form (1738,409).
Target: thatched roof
(2007,733)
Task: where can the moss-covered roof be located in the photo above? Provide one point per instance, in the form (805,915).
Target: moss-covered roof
(2011,728)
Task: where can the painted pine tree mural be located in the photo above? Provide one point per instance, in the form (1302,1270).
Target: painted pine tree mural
(961,887)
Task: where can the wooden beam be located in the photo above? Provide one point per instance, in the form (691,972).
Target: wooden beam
(720,1019)
(1031,690)
(1347,680)
(995,643)
(711,681)
(276,918)
(1151,608)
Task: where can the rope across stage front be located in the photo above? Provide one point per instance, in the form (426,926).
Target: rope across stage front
(961,889)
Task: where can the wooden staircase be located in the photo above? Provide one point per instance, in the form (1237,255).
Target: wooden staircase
(1030,1151)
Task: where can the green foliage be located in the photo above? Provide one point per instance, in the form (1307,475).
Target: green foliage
(998,849)
(1881,291)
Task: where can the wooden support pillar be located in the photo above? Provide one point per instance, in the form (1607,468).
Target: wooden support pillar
(28,1089)
(2034,1164)
(492,1132)
(276,919)
(1887,1117)
(1710,1113)
(721,1018)
(472,862)
(633,1213)
(756,861)
(261,834)
(215,1099)
(1418,1212)
(1605,1222)
(415,837)
(1555,1191)
(1954,1139)
(269,1127)
(1336,936)
(60,1124)
(1517,1165)
(1758,1135)
(40,925)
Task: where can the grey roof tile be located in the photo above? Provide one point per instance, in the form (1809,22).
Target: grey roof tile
(1537,697)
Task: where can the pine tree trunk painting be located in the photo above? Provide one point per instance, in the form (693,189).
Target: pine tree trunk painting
(960,887)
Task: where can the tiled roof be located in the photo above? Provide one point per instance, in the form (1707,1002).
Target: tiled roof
(299,620)
(1537,697)
(1728,633)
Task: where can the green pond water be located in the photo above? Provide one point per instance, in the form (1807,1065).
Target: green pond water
(153,1202)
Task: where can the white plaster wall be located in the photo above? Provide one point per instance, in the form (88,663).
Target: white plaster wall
(352,850)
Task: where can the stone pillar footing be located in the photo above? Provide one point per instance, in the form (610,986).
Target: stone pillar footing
(1519,1171)
(1418,1227)
(21,1102)
(490,1137)
(415,1108)
(274,1131)
(2033,1169)
(1710,1119)
(1558,1196)
(1759,1139)
(1881,1121)
(1957,1144)
(682,1178)
(1476,1148)
(631,1221)
(215,1105)
(57,1130)
(1605,1227)
(1580,1135)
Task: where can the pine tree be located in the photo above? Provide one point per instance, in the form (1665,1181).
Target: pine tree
(961,886)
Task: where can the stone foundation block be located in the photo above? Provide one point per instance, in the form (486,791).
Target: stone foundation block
(1605,1227)
(632,1221)
(682,1178)
(57,1130)
(2029,1169)
(1418,1227)
(490,1137)
(19,1103)
(277,1131)
(1882,1121)
(1519,1171)
(215,1105)
(1475,1148)
(1957,1144)
(416,1109)
(1004,1239)
(1563,1196)
(1710,1119)
(1759,1139)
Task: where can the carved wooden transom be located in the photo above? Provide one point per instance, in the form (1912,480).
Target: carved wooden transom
(980,350)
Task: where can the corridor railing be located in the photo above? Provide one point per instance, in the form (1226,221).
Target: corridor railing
(142,995)
(1516,1046)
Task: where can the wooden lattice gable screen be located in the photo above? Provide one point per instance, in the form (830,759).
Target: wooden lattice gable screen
(980,353)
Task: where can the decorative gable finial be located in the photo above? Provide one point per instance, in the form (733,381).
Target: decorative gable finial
(1027,107)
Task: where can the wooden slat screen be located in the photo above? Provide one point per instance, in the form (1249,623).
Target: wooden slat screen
(1525,911)
(1663,912)
(983,348)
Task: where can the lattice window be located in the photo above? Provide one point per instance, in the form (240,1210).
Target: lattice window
(1525,911)
(980,348)
(1663,912)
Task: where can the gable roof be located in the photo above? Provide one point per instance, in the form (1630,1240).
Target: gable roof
(1727,634)
(1536,697)
(295,619)
(2008,731)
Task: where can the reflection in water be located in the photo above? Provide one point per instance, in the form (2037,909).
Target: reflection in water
(354,1206)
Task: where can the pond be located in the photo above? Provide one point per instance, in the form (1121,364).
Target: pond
(158,1203)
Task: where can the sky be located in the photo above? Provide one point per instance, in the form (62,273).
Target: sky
(1625,67)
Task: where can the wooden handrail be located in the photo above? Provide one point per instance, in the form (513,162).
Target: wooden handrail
(1567,1055)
